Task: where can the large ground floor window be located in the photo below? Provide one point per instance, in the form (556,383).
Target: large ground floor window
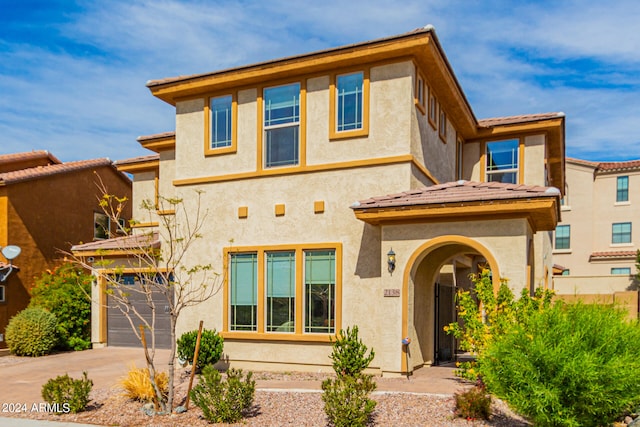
(283,290)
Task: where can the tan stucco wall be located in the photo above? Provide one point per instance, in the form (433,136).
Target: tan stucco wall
(361,258)
(591,209)
(579,285)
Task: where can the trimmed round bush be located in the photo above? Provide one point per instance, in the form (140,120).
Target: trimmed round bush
(32,332)
(211,345)
(570,365)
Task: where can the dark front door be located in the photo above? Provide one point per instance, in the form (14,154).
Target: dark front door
(445,313)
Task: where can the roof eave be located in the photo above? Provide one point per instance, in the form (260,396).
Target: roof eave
(541,212)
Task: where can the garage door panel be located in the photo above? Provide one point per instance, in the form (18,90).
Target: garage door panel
(119,331)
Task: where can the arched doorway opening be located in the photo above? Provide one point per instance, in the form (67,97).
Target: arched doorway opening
(432,274)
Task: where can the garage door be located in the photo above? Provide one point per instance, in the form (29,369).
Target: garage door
(119,332)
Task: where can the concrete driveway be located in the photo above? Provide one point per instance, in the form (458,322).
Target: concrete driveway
(21,379)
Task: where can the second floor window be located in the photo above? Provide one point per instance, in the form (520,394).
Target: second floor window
(502,161)
(220,121)
(282,125)
(621,232)
(563,237)
(622,189)
(350,100)
(621,270)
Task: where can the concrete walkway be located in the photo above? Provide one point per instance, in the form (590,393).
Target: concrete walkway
(22,379)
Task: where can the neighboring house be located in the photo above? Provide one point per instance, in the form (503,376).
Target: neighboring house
(45,207)
(597,240)
(351,186)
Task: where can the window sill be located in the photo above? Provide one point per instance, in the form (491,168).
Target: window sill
(565,208)
(627,203)
(219,151)
(335,135)
(621,245)
(420,106)
(562,251)
(275,336)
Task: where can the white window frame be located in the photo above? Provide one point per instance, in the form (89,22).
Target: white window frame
(513,170)
(294,123)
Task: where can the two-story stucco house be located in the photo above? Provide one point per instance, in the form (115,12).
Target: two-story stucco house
(358,188)
(45,206)
(596,241)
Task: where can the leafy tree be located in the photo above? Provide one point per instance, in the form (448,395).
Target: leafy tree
(64,291)
(485,314)
(160,259)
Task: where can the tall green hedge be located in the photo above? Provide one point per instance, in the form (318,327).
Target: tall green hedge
(65,292)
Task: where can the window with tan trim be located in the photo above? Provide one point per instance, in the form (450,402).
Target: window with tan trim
(433,109)
(283,292)
(459,158)
(502,161)
(2,296)
(419,96)
(442,126)
(220,124)
(349,105)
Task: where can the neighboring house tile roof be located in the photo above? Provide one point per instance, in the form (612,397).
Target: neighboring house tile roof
(456,192)
(48,170)
(607,167)
(29,155)
(607,255)
(618,166)
(525,118)
(136,241)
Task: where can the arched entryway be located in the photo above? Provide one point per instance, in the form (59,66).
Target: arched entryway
(438,265)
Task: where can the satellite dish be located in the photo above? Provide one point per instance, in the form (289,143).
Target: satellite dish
(10,252)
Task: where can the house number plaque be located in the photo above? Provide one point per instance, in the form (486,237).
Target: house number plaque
(392,292)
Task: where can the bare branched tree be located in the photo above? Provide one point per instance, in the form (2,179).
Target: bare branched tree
(159,262)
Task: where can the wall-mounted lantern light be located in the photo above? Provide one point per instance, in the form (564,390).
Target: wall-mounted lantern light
(391,261)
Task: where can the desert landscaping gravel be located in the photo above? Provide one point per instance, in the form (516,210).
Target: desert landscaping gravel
(280,408)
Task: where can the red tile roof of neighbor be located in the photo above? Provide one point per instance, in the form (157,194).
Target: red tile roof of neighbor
(604,167)
(136,241)
(48,170)
(29,155)
(456,192)
(613,255)
(510,120)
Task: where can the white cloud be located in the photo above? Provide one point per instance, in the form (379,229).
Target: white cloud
(88,99)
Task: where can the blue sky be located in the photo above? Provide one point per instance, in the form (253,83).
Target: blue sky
(73,73)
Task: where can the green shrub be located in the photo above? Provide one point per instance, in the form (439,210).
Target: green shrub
(223,401)
(67,394)
(349,353)
(211,345)
(31,332)
(474,403)
(570,365)
(65,292)
(346,400)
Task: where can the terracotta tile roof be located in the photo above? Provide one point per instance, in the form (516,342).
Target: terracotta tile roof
(29,155)
(48,170)
(139,159)
(612,255)
(618,166)
(510,120)
(132,242)
(456,192)
(143,138)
